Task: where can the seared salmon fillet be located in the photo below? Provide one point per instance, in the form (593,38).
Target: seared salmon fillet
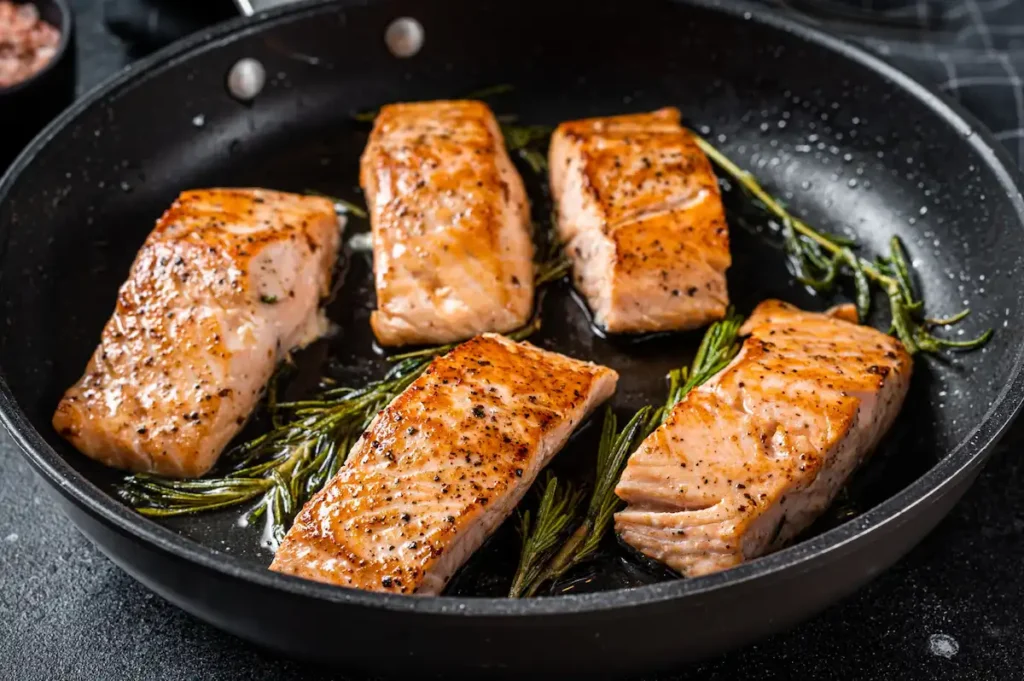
(227,283)
(748,460)
(639,212)
(442,466)
(452,252)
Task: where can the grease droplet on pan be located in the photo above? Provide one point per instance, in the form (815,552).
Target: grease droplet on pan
(943,645)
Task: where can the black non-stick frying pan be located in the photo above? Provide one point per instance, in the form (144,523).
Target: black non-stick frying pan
(848,142)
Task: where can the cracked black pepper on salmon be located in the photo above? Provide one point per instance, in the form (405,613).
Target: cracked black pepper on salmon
(227,283)
(442,466)
(749,459)
(641,217)
(452,253)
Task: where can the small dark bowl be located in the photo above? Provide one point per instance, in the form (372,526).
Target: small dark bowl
(26,107)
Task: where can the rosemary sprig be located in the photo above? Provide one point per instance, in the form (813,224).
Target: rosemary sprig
(817,258)
(552,269)
(554,513)
(540,561)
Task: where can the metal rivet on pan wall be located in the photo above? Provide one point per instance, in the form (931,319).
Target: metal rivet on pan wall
(246,79)
(404,37)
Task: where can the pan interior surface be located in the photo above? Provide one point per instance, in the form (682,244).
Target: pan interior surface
(854,153)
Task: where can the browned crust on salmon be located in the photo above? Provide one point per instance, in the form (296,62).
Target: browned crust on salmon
(442,466)
(451,225)
(227,283)
(748,460)
(641,215)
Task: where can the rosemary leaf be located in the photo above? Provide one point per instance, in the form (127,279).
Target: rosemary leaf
(518,137)
(157,512)
(827,280)
(860,280)
(930,343)
(901,270)
(814,255)
(490,92)
(341,205)
(534,159)
(902,322)
(948,321)
(547,272)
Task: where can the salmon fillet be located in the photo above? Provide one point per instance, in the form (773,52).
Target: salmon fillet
(748,460)
(452,252)
(641,217)
(227,283)
(442,466)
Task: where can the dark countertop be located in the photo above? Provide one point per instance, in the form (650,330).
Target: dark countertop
(951,610)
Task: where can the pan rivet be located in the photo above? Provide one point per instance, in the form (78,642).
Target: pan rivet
(246,79)
(404,37)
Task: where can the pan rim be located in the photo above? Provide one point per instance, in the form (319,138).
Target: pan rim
(958,462)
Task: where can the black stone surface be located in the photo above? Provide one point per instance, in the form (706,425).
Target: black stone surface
(951,610)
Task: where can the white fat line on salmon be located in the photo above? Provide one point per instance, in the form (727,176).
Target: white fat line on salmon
(676,204)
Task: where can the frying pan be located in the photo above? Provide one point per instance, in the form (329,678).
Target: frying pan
(847,141)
